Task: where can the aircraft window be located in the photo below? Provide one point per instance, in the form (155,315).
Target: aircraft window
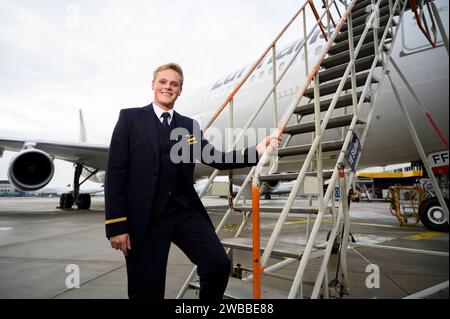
(270,71)
(318,50)
(281,67)
(303,57)
(261,75)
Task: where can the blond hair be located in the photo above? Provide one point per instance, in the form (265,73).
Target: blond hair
(170,66)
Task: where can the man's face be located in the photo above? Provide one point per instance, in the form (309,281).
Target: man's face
(167,88)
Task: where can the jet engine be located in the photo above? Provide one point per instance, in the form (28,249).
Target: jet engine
(271,185)
(31,170)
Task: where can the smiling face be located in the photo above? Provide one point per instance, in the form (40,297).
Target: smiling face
(167,88)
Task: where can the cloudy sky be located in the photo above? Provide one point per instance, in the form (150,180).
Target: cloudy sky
(60,56)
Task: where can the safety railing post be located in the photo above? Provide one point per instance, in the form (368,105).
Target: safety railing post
(375,26)
(274,81)
(256,240)
(305,32)
(333,234)
(391,12)
(351,48)
(346,223)
(325,2)
(230,148)
(319,166)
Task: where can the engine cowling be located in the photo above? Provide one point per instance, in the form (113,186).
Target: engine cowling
(31,170)
(271,185)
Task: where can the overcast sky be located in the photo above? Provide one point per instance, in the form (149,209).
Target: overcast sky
(59,56)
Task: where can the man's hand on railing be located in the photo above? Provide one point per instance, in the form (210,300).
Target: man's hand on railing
(271,142)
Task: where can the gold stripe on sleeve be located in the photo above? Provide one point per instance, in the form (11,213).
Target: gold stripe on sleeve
(117,220)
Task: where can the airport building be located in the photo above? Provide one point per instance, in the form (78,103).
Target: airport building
(375,184)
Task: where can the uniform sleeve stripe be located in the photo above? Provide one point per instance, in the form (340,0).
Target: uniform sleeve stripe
(117,220)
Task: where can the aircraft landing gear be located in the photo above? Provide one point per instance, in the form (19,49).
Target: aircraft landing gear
(83,201)
(432,215)
(66,201)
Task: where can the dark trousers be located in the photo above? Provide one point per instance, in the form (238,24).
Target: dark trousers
(195,236)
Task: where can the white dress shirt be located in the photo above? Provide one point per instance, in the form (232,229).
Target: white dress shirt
(159,111)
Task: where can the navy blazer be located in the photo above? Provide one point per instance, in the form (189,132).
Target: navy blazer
(133,168)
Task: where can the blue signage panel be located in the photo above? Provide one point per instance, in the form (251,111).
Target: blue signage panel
(353,152)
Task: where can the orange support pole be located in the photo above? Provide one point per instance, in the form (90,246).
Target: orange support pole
(257,269)
(313,8)
(412,4)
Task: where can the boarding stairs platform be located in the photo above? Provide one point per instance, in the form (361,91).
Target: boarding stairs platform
(339,85)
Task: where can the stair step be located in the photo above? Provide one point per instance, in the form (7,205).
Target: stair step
(344,57)
(293,210)
(362,18)
(335,122)
(240,289)
(343,101)
(384,10)
(360,29)
(362,5)
(343,45)
(280,249)
(336,72)
(331,87)
(304,149)
(291,176)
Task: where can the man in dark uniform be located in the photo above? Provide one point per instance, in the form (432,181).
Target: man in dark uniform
(150,200)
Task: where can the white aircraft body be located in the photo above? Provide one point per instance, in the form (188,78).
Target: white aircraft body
(58,191)
(388,141)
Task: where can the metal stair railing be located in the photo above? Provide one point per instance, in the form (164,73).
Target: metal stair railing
(304,261)
(229,101)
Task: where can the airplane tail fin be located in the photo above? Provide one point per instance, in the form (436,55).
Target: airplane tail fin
(83,135)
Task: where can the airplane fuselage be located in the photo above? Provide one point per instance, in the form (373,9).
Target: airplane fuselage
(388,140)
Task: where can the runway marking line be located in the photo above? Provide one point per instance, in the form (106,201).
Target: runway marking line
(424,235)
(382,225)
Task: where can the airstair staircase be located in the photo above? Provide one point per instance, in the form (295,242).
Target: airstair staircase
(348,75)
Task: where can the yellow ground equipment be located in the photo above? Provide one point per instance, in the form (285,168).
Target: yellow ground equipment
(405,203)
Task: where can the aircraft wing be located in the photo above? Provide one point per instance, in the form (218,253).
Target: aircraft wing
(91,155)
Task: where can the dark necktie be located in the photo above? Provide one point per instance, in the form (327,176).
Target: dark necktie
(165,122)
